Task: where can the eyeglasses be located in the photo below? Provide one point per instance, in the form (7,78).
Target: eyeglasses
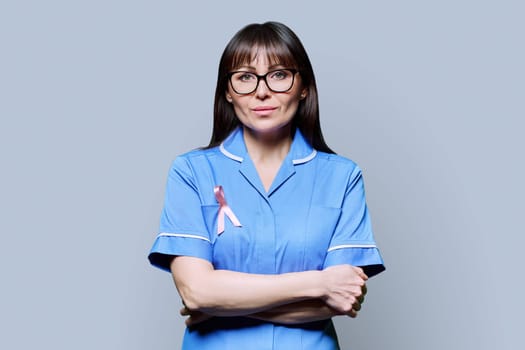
(244,83)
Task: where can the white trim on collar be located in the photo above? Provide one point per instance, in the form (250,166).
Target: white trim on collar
(240,159)
(305,159)
(228,154)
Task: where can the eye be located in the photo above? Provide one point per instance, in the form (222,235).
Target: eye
(279,75)
(244,77)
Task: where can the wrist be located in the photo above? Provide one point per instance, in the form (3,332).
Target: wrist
(319,286)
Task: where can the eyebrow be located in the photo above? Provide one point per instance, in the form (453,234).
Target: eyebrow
(273,66)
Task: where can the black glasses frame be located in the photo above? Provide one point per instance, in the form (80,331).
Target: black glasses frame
(263,77)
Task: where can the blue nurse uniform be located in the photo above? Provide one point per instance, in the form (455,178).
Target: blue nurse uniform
(313,216)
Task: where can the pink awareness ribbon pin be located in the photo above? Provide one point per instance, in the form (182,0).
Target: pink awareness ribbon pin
(224,209)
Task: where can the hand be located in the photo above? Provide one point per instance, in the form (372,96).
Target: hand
(195,317)
(345,288)
(357,305)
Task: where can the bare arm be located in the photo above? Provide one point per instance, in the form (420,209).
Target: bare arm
(306,311)
(293,313)
(299,312)
(228,293)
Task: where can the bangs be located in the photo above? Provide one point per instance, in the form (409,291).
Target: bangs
(248,49)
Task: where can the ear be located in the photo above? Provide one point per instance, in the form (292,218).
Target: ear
(229,97)
(304,93)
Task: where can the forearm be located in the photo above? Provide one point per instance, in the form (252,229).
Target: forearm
(230,293)
(298,312)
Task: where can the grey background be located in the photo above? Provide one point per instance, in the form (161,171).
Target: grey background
(97,97)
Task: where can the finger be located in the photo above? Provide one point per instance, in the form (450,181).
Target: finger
(355,291)
(356,306)
(361,298)
(360,272)
(352,313)
(185,311)
(364,289)
(192,320)
(196,318)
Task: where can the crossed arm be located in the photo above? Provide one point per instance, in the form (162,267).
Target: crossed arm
(288,298)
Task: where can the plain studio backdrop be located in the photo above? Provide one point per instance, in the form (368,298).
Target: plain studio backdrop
(98,97)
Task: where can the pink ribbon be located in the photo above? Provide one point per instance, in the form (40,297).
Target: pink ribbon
(224,209)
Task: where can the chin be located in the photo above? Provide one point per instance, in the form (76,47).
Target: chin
(259,128)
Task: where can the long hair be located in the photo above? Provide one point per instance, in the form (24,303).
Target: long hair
(282,47)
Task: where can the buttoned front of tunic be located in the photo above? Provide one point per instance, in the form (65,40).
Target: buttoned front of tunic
(313,216)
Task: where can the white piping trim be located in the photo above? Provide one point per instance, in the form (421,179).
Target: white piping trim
(183,235)
(228,154)
(342,246)
(306,159)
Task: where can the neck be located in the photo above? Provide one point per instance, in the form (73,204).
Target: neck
(268,147)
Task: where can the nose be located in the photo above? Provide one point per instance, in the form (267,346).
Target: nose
(262,91)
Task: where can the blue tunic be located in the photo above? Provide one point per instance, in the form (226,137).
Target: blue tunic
(313,216)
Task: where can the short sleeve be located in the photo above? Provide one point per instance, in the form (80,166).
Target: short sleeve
(182,226)
(353,242)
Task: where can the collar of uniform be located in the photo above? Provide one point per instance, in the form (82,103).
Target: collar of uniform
(234,148)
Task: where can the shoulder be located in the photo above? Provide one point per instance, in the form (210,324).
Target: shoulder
(194,157)
(190,165)
(334,162)
(198,153)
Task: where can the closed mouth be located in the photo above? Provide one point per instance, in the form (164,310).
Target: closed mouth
(260,109)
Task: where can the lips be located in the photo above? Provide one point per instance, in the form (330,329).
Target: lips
(263,111)
(263,108)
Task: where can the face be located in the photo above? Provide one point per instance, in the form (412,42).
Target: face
(264,111)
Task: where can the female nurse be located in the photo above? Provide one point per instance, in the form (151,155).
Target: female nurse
(266,231)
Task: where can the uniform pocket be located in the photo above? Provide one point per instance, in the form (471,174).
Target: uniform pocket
(322,222)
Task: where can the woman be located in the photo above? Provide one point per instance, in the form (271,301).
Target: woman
(266,230)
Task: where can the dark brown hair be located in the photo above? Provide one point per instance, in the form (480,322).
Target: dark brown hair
(282,47)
